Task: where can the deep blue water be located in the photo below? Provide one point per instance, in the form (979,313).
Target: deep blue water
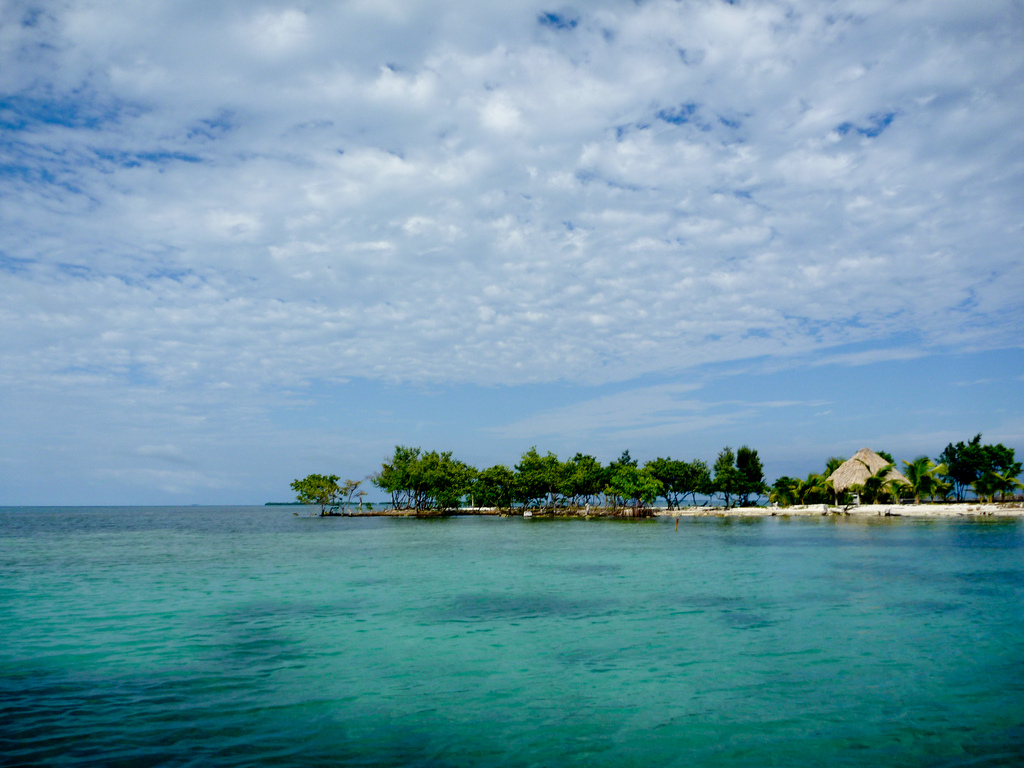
(247,636)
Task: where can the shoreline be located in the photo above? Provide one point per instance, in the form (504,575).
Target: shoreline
(979,509)
(968,509)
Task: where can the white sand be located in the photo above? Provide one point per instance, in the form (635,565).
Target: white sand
(1008,509)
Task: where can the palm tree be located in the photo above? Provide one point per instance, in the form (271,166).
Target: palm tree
(859,492)
(921,474)
(985,487)
(895,488)
(833,464)
(991,483)
(786,491)
(874,485)
(940,488)
(818,489)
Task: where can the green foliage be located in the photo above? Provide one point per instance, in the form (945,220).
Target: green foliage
(968,464)
(423,481)
(816,489)
(941,489)
(322,490)
(738,478)
(672,475)
(751,484)
(833,463)
(442,482)
(396,476)
(728,481)
(887,456)
(582,479)
(921,474)
(700,480)
(991,483)
(680,479)
(875,487)
(540,478)
(624,460)
(437,481)
(784,491)
(638,486)
(895,488)
(495,487)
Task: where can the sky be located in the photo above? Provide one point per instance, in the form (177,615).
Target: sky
(241,242)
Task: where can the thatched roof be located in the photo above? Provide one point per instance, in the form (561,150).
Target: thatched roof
(859,467)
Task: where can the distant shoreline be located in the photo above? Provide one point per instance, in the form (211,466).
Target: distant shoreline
(964,509)
(980,509)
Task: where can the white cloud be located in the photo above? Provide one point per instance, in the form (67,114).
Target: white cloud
(260,196)
(500,115)
(169,453)
(642,414)
(276,32)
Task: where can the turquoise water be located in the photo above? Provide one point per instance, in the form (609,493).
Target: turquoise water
(245,636)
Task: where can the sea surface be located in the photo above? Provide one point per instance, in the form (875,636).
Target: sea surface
(221,636)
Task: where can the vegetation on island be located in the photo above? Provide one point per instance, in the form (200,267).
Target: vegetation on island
(324,491)
(431,482)
(987,471)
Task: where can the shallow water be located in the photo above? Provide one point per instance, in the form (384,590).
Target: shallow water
(245,635)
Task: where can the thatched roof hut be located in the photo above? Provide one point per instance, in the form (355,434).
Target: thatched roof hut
(859,467)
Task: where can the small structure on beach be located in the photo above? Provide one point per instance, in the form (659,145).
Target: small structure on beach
(856,470)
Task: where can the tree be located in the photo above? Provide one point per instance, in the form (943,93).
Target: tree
(539,478)
(751,471)
(967,463)
(495,487)
(441,482)
(816,489)
(698,481)
(895,488)
(582,479)
(728,479)
(638,486)
(940,489)
(672,475)
(680,479)
(318,489)
(963,464)
(920,473)
(833,463)
(350,490)
(422,481)
(785,491)
(624,460)
(991,483)
(874,486)
(396,476)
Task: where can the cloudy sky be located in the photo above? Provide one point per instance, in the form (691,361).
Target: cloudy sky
(244,241)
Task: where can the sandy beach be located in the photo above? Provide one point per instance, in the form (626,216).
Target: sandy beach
(1006,509)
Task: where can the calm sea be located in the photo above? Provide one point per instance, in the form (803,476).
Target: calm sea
(246,636)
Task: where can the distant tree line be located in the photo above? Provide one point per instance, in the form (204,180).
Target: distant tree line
(426,481)
(431,480)
(987,471)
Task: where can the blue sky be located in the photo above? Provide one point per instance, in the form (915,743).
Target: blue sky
(241,242)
